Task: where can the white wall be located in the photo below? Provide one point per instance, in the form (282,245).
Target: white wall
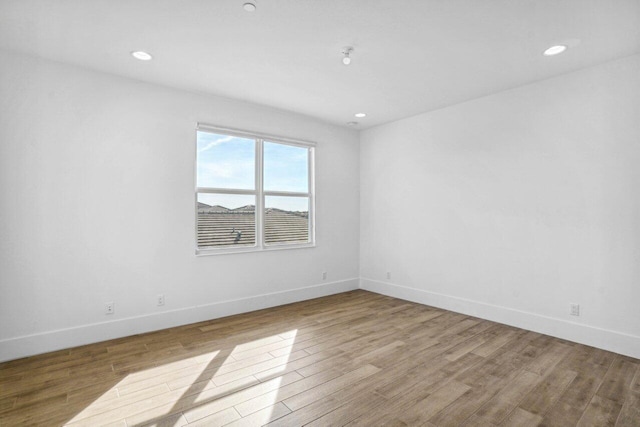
(96,194)
(512,206)
(508,207)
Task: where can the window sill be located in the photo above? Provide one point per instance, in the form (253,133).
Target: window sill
(228,251)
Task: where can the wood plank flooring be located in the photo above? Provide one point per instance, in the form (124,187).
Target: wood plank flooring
(356,359)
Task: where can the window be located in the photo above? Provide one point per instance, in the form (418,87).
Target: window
(253,192)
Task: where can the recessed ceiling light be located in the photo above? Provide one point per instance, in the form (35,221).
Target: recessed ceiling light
(142,56)
(249,7)
(360,115)
(352,123)
(554,50)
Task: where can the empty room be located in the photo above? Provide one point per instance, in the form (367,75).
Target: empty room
(320,213)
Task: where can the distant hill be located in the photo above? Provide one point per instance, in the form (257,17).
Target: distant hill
(247,208)
(203,207)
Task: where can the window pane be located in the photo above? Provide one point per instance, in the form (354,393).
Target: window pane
(286,220)
(226,220)
(225,161)
(286,168)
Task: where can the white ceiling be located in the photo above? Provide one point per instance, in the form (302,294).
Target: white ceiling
(411,56)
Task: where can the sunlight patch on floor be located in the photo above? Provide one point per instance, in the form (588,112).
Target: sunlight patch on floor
(144,384)
(200,387)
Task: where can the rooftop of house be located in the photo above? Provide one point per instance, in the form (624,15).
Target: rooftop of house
(220,226)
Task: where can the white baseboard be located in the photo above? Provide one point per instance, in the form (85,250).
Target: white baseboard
(614,341)
(18,347)
(15,348)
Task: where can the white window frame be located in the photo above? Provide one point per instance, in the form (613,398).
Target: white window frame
(259,192)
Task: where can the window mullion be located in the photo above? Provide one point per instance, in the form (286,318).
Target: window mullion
(225,191)
(286,193)
(260,194)
(311,189)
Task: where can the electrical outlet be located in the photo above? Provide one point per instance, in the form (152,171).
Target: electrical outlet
(109,308)
(160,300)
(388,275)
(574,309)
(324,275)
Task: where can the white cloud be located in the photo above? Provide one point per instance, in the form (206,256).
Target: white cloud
(214,143)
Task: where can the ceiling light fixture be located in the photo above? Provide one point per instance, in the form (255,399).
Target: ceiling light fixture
(346,51)
(249,7)
(142,56)
(352,123)
(555,50)
(360,115)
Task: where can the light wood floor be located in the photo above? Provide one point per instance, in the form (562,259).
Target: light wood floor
(357,359)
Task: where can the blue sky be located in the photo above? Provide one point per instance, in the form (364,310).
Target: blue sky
(229,162)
